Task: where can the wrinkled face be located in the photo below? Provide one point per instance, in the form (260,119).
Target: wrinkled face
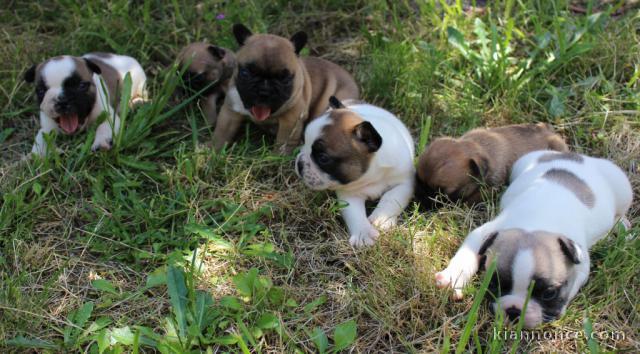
(338,150)
(548,260)
(447,167)
(65,91)
(209,66)
(267,66)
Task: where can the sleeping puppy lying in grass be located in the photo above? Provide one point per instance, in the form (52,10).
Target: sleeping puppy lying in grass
(73,91)
(363,153)
(557,206)
(458,167)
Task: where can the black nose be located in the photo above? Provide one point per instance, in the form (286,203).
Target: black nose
(299,166)
(513,313)
(62,104)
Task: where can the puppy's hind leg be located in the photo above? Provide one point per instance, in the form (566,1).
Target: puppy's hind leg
(139,93)
(391,206)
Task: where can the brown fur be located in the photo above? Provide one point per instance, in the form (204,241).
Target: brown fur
(110,76)
(218,71)
(455,166)
(574,184)
(202,61)
(567,156)
(353,155)
(551,264)
(315,80)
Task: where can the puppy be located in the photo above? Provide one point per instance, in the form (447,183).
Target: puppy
(363,153)
(207,66)
(457,167)
(277,89)
(557,206)
(73,91)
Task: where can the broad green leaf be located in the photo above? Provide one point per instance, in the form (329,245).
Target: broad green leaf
(456,39)
(157,277)
(314,304)
(31,343)
(202,309)
(104,340)
(122,335)
(344,334)
(105,286)
(246,282)
(226,340)
(268,321)
(320,339)
(231,302)
(178,297)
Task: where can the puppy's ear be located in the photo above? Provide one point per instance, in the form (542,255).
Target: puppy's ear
(216,51)
(93,66)
(335,103)
(488,242)
(241,32)
(299,40)
(571,250)
(30,74)
(479,165)
(368,135)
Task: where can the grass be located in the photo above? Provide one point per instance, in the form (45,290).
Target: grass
(162,245)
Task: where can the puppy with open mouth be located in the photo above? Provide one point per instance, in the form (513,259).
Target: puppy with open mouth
(210,67)
(363,153)
(73,91)
(458,167)
(558,205)
(277,89)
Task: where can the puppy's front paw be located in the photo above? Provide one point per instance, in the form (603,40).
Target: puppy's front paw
(365,237)
(382,222)
(103,144)
(137,101)
(445,279)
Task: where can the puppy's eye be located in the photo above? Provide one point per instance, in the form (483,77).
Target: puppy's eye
(323,159)
(244,73)
(40,91)
(549,294)
(83,86)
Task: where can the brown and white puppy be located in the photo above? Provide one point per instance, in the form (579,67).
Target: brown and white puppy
(209,68)
(556,208)
(362,152)
(73,91)
(458,167)
(277,89)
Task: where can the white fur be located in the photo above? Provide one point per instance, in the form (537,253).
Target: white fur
(533,203)
(390,175)
(236,105)
(56,71)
